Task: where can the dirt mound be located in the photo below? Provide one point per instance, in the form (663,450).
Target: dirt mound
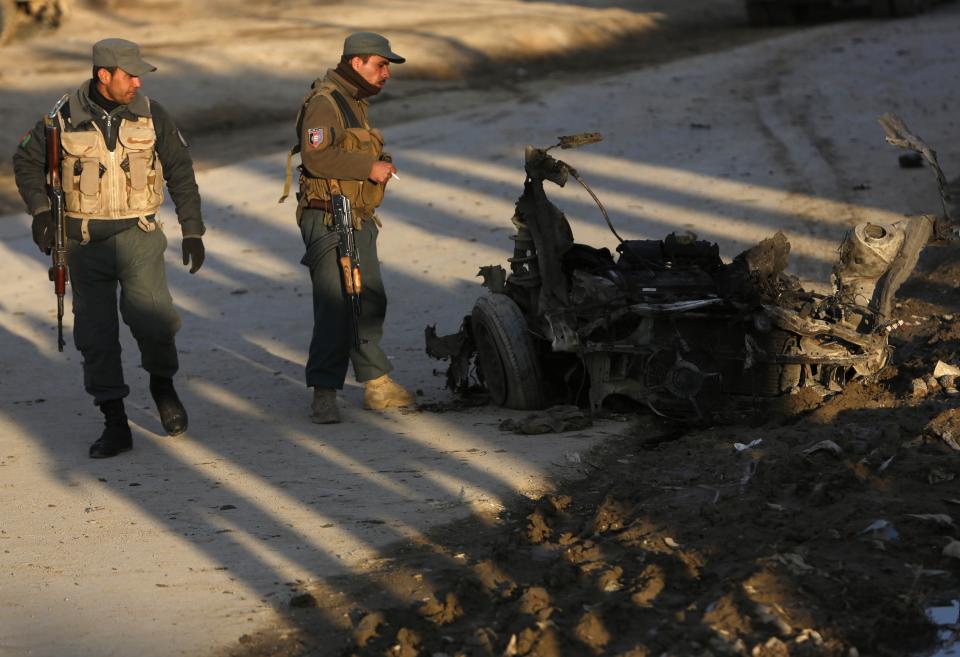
(819,532)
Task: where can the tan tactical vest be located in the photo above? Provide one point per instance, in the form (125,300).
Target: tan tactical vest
(365,195)
(120,184)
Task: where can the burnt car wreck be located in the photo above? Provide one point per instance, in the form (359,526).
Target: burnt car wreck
(666,322)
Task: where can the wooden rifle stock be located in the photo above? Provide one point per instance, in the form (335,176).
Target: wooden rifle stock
(58,269)
(349,260)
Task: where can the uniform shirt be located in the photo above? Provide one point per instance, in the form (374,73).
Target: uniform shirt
(319,155)
(29,162)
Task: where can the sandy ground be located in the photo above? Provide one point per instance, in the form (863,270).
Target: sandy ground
(233,73)
(185,545)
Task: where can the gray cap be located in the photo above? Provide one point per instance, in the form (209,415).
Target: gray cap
(370,43)
(120,52)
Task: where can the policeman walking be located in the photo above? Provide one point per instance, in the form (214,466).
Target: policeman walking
(341,154)
(117,149)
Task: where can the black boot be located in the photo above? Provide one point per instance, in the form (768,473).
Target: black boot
(173,416)
(116,435)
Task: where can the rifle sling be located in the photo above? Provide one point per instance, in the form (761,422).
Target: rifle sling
(350,119)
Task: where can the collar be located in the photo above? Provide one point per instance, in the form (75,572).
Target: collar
(81,107)
(345,85)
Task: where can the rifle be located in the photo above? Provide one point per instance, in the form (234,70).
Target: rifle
(58,271)
(349,259)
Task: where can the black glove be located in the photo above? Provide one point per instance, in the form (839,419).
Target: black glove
(193,251)
(44,229)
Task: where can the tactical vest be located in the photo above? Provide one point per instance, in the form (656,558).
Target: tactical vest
(365,195)
(121,184)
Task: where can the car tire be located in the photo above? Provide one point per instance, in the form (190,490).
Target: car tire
(773,379)
(506,355)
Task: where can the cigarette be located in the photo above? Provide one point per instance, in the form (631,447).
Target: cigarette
(394,175)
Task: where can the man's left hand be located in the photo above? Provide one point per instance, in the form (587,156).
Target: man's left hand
(194,252)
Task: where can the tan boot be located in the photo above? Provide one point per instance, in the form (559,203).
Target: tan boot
(324,409)
(383,392)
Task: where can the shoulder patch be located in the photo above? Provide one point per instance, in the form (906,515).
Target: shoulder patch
(26,139)
(315,137)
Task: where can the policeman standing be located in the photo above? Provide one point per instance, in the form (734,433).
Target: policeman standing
(341,154)
(117,149)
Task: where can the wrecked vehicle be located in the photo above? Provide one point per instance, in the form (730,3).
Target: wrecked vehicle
(666,322)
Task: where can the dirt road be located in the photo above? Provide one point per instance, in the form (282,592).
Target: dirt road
(187,545)
(233,76)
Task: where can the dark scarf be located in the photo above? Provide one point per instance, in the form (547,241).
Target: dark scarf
(99,100)
(364,88)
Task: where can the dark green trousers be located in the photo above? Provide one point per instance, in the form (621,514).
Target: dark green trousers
(331,345)
(132,260)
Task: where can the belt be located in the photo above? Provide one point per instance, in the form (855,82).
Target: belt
(320,204)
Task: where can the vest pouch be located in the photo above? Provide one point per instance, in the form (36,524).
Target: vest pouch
(138,135)
(142,189)
(139,139)
(314,188)
(80,170)
(70,182)
(371,196)
(365,195)
(89,185)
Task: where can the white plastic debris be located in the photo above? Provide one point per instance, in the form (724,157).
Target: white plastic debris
(881,530)
(753,443)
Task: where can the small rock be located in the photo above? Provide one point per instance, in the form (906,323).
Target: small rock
(948,383)
(918,388)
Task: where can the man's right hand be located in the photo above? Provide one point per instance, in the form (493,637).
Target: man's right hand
(44,229)
(380,171)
